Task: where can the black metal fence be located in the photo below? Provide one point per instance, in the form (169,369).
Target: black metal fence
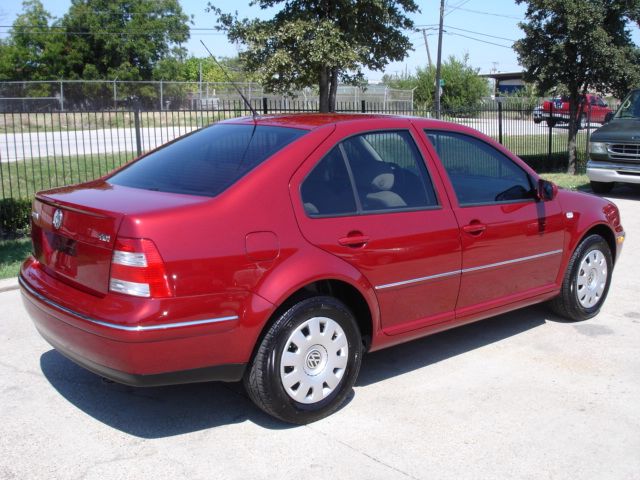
(44,150)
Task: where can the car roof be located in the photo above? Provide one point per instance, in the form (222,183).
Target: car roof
(310,121)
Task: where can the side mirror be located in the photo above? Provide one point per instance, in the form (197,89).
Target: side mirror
(608,117)
(546,191)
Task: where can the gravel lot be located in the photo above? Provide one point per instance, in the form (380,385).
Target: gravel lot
(522,395)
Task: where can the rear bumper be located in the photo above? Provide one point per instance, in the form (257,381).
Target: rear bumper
(180,350)
(221,373)
(612,172)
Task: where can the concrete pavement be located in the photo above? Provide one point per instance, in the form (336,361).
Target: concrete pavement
(523,395)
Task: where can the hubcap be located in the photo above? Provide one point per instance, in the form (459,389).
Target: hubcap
(314,360)
(592,278)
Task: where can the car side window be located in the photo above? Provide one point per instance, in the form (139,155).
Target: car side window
(388,171)
(479,173)
(327,190)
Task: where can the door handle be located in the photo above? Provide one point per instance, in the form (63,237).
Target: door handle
(474,228)
(358,240)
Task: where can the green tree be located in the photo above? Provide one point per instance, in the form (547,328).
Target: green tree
(188,70)
(33,49)
(95,39)
(122,38)
(579,45)
(463,89)
(316,42)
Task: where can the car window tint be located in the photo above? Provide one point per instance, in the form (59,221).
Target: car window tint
(327,189)
(388,171)
(207,161)
(479,173)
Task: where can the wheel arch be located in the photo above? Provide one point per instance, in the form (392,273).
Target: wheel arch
(365,315)
(605,232)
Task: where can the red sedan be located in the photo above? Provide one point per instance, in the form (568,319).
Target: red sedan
(277,250)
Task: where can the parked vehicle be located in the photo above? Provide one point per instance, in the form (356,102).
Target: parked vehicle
(279,249)
(556,110)
(614,149)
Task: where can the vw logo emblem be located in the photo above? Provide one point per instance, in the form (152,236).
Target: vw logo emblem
(57,218)
(313,359)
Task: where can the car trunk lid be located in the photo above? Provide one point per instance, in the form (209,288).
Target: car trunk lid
(74,229)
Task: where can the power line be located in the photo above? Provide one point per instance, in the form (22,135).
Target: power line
(478,40)
(456,7)
(480,33)
(490,13)
(431,27)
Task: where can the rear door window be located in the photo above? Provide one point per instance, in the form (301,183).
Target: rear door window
(388,171)
(208,161)
(371,172)
(327,190)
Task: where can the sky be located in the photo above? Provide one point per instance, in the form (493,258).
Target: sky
(485,30)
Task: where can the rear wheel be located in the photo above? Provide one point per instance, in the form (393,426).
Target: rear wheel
(601,187)
(307,362)
(551,122)
(586,281)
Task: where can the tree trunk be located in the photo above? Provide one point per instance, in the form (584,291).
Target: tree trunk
(573,131)
(576,108)
(323,87)
(333,90)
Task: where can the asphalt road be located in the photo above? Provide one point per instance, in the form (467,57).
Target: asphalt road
(22,146)
(522,395)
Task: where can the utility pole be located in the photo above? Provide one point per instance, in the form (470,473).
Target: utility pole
(426,44)
(439,61)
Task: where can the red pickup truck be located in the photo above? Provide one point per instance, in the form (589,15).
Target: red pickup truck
(557,110)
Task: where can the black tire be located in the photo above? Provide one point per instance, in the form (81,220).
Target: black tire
(569,304)
(601,187)
(263,379)
(551,122)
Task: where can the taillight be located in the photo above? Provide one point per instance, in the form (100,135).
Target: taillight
(137,269)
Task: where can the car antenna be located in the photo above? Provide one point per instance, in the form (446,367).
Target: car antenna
(224,70)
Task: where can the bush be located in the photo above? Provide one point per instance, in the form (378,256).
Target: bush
(15,217)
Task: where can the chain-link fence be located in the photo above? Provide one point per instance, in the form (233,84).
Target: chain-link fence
(98,95)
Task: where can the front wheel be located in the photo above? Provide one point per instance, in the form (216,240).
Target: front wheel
(586,281)
(307,362)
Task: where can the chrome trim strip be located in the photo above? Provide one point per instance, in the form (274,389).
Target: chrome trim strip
(467,270)
(613,166)
(139,328)
(515,260)
(416,280)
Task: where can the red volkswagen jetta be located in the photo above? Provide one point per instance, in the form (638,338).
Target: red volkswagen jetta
(278,249)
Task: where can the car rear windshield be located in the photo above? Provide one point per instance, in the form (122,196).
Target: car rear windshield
(207,161)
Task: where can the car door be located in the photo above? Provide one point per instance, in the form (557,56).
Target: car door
(599,109)
(511,242)
(368,198)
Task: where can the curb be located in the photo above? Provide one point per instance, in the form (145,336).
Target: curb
(9,284)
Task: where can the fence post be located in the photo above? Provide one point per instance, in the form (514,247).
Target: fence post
(162,97)
(364,106)
(265,105)
(588,131)
(136,120)
(61,97)
(550,132)
(500,121)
